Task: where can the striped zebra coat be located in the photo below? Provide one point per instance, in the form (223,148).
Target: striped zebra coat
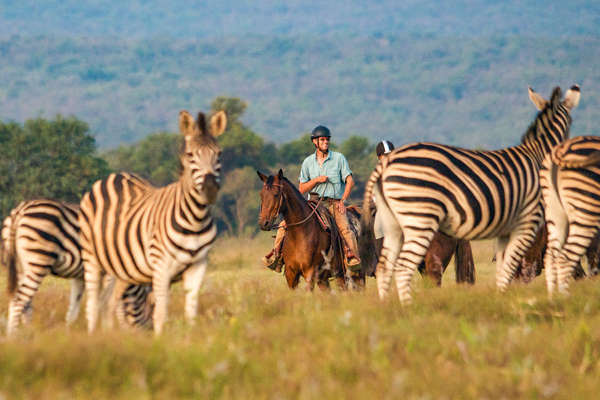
(41,237)
(143,234)
(421,188)
(570,180)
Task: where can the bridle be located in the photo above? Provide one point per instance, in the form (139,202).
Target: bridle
(314,209)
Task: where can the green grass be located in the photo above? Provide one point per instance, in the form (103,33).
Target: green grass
(254,338)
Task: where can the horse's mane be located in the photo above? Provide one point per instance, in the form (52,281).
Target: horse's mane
(291,185)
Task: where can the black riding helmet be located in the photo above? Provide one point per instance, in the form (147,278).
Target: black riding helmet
(320,131)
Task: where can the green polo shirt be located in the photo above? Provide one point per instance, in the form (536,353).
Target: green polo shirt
(335,167)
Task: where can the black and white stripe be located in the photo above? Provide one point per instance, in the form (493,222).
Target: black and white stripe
(142,234)
(570,180)
(41,237)
(424,187)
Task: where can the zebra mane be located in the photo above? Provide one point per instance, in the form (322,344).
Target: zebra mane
(531,132)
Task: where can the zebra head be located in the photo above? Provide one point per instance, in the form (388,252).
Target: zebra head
(200,158)
(552,124)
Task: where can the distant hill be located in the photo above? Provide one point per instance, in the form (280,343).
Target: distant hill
(465,91)
(184,19)
(455,71)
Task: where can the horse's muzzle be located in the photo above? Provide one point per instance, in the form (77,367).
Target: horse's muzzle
(265,225)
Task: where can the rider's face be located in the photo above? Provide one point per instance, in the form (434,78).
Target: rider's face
(322,143)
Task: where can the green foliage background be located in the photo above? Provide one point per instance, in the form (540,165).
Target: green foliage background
(469,91)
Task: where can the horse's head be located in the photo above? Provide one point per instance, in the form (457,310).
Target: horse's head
(271,199)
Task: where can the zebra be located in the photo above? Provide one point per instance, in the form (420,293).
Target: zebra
(424,187)
(146,235)
(570,181)
(41,237)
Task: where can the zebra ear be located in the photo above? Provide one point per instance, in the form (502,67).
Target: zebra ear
(186,123)
(262,177)
(538,101)
(572,97)
(218,123)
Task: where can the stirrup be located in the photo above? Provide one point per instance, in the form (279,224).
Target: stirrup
(274,262)
(353,261)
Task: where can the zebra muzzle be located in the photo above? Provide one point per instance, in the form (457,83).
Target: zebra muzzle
(211,187)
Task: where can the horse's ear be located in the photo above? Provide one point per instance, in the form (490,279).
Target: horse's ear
(280,174)
(262,177)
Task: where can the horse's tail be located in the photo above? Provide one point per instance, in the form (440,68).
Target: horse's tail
(9,248)
(463,260)
(366,240)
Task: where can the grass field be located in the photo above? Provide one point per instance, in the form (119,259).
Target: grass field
(254,338)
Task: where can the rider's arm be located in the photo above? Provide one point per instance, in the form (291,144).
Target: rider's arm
(307,186)
(349,186)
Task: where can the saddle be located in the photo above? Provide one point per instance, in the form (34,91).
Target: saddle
(323,215)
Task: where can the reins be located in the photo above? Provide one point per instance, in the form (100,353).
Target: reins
(314,210)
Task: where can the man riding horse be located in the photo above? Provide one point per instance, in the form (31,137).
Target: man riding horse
(325,175)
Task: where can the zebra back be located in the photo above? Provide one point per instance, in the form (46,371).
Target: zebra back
(47,234)
(570,180)
(472,194)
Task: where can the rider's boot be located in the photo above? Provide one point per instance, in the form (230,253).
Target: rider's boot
(273,260)
(351,250)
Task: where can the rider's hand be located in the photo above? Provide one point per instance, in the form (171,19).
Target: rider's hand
(321,179)
(341,207)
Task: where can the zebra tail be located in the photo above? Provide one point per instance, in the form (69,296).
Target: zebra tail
(464,265)
(575,161)
(366,240)
(10,254)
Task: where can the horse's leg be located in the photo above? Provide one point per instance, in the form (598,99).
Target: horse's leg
(310,278)
(434,265)
(359,280)
(463,262)
(292,276)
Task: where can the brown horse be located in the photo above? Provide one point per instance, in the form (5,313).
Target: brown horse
(308,250)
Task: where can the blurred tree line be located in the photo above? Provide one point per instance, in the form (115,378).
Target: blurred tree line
(58,159)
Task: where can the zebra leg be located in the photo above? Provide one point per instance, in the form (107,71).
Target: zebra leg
(520,240)
(501,243)
(77,286)
(20,305)
(385,266)
(93,283)
(114,301)
(192,280)
(578,241)
(160,285)
(558,230)
(414,247)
